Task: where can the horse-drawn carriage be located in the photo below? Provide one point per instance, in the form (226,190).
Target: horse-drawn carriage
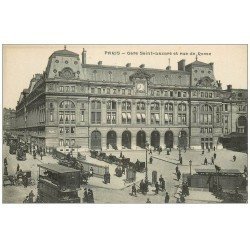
(20,154)
(19,179)
(93,153)
(140,166)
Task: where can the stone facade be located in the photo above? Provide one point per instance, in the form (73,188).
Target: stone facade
(75,104)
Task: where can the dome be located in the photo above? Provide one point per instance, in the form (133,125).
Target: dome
(64,52)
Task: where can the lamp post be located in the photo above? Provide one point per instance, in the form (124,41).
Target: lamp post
(146,173)
(190,166)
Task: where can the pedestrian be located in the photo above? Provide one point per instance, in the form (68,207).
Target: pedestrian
(160,179)
(163,186)
(151,160)
(205,161)
(90,196)
(156,188)
(182,199)
(212,161)
(202,152)
(5,170)
(150,151)
(85,196)
(5,161)
(214,155)
(178,174)
(25,181)
(31,196)
(17,168)
(148,200)
(41,154)
(214,148)
(142,186)
(34,154)
(234,158)
(167,198)
(121,154)
(134,189)
(181,160)
(176,169)
(185,149)
(208,150)
(91,172)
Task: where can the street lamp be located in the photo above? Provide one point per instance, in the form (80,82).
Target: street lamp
(146,174)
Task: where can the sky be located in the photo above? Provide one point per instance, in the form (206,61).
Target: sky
(21,62)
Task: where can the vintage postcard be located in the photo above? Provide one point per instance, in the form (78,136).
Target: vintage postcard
(125,124)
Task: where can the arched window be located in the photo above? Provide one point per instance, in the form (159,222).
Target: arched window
(155,106)
(111,105)
(182,107)
(206,108)
(67,105)
(169,107)
(140,106)
(95,105)
(126,105)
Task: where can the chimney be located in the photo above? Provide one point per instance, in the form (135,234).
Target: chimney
(181,65)
(128,65)
(168,68)
(211,65)
(229,87)
(142,66)
(100,63)
(84,56)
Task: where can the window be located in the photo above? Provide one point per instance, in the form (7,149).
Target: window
(140,106)
(126,118)
(114,91)
(67,142)
(92,90)
(182,119)
(179,94)
(111,105)
(61,89)
(73,142)
(72,130)
(61,130)
(108,90)
(67,130)
(126,105)
(140,118)
(184,94)
(51,105)
(123,91)
(171,93)
(152,92)
(82,116)
(158,93)
(61,142)
(206,108)
(67,88)
(210,95)
(206,95)
(96,117)
(51,116)
(182,107)
(99,91)
(165,93)
(217,118)
(155,106)
(129,91)
(111,117)
(168,118)
(226,107)
(155,118)
(169,106)
(202,94)
(73,88)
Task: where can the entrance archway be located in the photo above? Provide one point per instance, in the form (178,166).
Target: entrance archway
(126,139)
(169,139)
(141,139)
(155,139)
(96,140)
(111,139)
(182,139)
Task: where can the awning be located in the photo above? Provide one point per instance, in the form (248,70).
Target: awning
(138,116)
(157,117)
(166,117)
(124,116)
(129,115)
(143,116)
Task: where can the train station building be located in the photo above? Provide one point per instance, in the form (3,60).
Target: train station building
(96,106)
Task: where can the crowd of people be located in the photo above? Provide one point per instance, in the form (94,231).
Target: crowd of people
(88,196)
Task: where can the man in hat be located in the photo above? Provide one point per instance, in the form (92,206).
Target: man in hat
(148,200)
(156,188)
(178,174)
(85,196)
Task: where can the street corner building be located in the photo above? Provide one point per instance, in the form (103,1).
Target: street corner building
(94,106)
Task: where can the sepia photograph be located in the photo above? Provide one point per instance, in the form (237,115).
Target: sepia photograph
(124,124)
